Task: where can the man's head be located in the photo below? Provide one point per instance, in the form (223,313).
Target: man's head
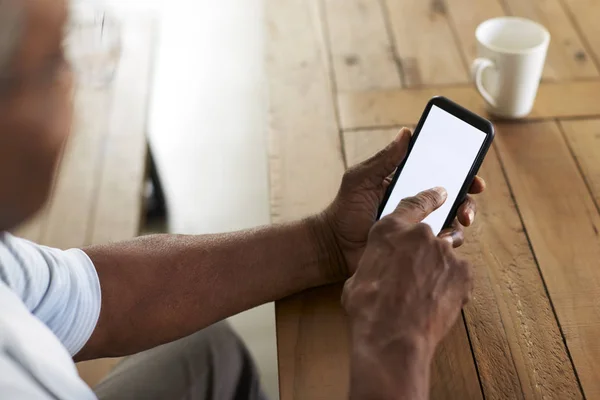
(35,104)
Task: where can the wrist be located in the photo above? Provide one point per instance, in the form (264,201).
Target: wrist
(328,254)
(394,369)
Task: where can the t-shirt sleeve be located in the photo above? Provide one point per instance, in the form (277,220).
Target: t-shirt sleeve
(61,288)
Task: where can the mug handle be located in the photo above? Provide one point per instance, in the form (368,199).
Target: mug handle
(477,68)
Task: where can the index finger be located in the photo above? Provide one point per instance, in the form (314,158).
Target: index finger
(416,209)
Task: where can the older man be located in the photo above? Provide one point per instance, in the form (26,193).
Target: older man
(167,293)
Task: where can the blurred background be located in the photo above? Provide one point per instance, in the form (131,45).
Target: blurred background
(206,128)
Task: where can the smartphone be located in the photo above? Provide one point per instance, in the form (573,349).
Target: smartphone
(446,149)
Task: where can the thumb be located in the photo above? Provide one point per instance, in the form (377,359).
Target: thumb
(416,209)
(382,164)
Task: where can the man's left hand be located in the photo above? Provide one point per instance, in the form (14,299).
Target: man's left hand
(352,214)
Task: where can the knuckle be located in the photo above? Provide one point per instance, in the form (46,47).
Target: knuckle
(354,177)
(423,231)
(349,178)
(358,292)
(390,222)
(444,247)
(383,228)
(386,231)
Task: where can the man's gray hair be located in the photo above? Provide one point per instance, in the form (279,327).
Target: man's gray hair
(11,29)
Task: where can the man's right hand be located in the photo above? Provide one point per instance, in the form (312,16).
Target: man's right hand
(405,296)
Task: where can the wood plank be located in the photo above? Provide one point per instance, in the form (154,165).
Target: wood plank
(586,14)
(363,58)
(583,137)
(425,43)
(515,336)
(71,206)
(562,223)
(316,366)
(288,312)
(453,373)
(567,56)
(313,345)
(516,339)
(360,145)
(466,16)
(379,109)
(303,127)
(453,370)
(118,211)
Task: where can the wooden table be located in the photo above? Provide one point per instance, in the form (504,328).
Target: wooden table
(344,75)
(98,193)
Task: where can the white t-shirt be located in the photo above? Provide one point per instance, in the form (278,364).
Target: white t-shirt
(49,306)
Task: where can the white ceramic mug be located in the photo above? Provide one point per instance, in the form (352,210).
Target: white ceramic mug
(507,74)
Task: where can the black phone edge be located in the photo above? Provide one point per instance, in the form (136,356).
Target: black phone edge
(469,117)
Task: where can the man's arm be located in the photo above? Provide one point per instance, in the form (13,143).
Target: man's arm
(156,289)
(160,288)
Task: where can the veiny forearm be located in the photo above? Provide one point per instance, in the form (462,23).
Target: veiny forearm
(156,289)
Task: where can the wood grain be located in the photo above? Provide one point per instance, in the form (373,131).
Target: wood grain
(71,206)
(425,44)
(453,373)
(306,128)
(546,245)
(289,313)
(119,200)
(466,16)
(562,223)
(380,109)
(586,14)
(313,342)
(314,348)
(516,339)
(567,56)
(360,145)
(583,137)
(363,59)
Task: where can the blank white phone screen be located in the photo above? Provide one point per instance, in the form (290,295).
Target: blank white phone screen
(443,155)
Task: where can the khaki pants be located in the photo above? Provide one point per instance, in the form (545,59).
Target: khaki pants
(212,364)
